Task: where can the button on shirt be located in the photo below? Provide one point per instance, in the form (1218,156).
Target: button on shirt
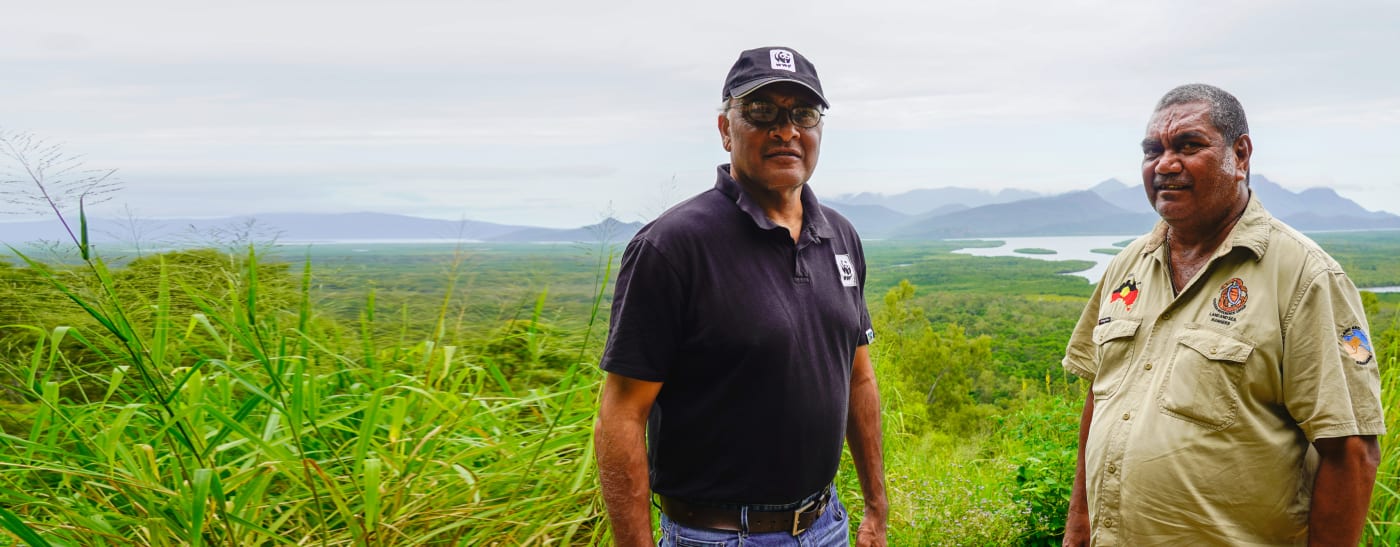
(1220,389)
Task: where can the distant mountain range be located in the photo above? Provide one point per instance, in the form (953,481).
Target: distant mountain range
(922,201)
(306,227)
(1108,208)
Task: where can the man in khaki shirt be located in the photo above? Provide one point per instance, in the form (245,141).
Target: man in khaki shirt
(1235,392)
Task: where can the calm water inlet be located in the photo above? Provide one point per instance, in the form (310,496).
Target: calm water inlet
(1065,247)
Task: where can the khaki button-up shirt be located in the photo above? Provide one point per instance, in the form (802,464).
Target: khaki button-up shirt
(1206,403)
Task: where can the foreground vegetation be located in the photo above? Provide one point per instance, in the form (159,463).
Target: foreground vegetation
(445,396)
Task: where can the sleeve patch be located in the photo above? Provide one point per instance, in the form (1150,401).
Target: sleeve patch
(1357,345)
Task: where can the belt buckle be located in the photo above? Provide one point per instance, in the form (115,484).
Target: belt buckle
(797,515)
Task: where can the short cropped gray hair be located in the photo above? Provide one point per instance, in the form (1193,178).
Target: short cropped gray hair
(1225,111)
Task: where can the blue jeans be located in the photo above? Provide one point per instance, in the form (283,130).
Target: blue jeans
(828,530)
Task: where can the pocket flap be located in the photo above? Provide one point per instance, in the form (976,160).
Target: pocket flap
(1117,328)
(1215,345)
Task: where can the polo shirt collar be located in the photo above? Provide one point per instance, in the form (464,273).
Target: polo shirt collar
(813,219)
(1251,232)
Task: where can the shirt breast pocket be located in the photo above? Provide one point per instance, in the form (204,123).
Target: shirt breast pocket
(1202,384)
(1114,342)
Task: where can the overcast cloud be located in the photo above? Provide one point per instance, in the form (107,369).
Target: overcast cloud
(556,113)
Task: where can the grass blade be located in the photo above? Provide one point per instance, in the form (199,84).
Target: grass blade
(16,526)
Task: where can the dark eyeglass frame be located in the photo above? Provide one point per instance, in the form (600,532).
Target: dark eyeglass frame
(779,113)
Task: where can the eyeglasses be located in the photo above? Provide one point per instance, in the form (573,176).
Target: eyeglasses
(764,113)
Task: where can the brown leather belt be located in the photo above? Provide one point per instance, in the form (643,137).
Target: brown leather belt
(794,521)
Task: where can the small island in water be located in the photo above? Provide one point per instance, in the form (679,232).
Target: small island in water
(1035,251)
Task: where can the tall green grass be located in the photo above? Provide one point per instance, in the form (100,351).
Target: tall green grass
(1383,524)
(239,425)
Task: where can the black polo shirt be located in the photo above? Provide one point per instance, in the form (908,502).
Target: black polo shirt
(753,336)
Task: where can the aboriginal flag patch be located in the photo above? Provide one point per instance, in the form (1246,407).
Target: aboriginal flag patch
(1233,296)
(1357,345)
(1127,292)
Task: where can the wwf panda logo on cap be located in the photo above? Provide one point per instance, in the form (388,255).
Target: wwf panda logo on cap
(782,60)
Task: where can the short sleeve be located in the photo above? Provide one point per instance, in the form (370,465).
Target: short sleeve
(866,335)
(1080,354)
(646,315)
(1330,371)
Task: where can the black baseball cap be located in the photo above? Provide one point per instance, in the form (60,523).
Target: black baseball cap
(759,67)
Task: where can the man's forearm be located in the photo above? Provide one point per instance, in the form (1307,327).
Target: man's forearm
(868,452)
(619,439)
(1346,473)
(863,433)
(1077,529)
(622,475)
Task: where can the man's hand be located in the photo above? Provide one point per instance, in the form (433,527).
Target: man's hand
(872,531)
(619,438)
(1077,532)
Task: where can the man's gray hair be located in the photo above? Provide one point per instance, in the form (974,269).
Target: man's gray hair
(1225,111)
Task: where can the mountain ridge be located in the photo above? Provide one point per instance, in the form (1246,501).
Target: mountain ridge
(1120,208)
(310,227)
(1108,207)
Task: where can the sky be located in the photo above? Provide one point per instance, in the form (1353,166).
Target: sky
(561,113)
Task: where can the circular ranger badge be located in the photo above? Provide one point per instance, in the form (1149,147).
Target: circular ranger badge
(1233,296)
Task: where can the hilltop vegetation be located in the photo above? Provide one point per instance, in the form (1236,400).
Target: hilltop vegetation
(432,395)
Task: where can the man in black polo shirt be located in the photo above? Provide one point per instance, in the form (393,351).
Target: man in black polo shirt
(737,358)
